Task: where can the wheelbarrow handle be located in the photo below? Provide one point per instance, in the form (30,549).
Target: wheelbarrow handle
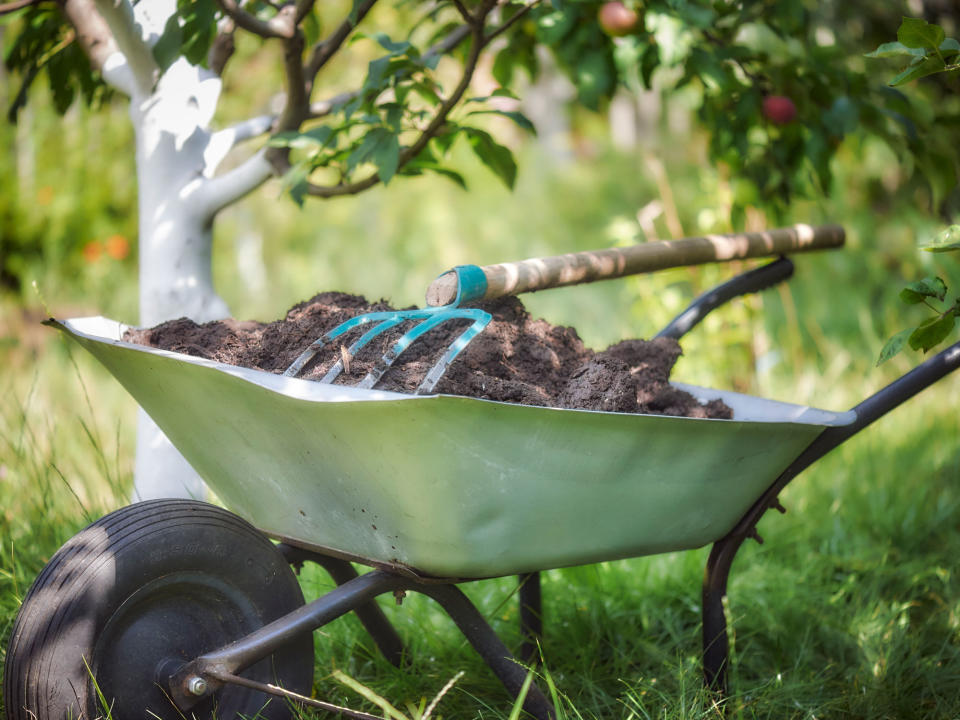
(471,282)
(751,281)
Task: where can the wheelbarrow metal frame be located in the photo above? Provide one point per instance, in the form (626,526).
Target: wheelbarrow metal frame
(723,552)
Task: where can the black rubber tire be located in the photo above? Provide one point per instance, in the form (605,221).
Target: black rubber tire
(153,584)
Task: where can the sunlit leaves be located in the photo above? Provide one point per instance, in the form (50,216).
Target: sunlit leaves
(917,292)
(932,331)
(189,32)
(381,147)
(925,45)
(918,33)
(495,156)
(45,44)
(894,345)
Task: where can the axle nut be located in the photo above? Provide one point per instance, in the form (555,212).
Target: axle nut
(197,685)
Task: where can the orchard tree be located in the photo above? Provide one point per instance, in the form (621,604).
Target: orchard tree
(778,86)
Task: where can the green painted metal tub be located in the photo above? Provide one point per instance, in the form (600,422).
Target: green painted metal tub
(456,487)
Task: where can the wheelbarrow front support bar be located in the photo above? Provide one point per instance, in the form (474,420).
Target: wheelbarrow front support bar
(219,666)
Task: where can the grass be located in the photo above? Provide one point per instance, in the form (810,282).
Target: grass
(849,609)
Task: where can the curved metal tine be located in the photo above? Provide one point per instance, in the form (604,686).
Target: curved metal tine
(297,365)
(373,377)
(481,319)
(334,372)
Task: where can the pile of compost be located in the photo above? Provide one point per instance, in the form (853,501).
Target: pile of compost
(516,359)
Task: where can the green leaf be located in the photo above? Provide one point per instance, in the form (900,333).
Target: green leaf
(918,33)
(894,345)
(456,177)
(354,12)
(950,46)
(382,148)
(392,47)
(167,48)
(417,168)
(594,78)
(946,241)
(386,156)
(376,69)
(518,117)
(553,27)
(503,65)
(927,66)
(915,292)
(649,63)
(495,156)
(932,332)
(295,182)
(895,49)
(199,28)
(694,14)
(394,116)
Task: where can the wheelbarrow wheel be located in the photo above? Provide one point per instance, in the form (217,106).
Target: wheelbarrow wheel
(135,595)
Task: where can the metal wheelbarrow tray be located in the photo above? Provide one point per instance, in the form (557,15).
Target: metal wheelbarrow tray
(450,486)
(429,491)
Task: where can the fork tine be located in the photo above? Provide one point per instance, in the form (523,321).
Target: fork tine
(297,365)
(373,377)
(334,372)
(481,319)
(430,317)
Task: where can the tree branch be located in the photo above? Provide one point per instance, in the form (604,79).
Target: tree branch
(219,192)
(322,108)
(479,41)
(323,51)
(94,34)
(222,47)
(464,13)
(281,25)
(223,141)
(516,18)
(118,15)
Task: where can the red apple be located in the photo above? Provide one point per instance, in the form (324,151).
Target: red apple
(779,109)
(617,19)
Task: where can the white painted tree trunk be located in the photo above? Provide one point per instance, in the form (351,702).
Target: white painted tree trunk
(178,197)
(176,245)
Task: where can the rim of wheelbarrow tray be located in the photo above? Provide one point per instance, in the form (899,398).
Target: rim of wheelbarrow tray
(456,487)
(746,408)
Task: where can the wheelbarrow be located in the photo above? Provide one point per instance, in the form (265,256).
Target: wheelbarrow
(178,608)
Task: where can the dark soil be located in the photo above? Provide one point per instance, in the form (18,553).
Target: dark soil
(515,359)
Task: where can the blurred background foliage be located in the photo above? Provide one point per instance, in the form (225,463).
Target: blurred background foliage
(854,597)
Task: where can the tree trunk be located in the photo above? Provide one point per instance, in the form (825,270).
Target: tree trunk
(176,243)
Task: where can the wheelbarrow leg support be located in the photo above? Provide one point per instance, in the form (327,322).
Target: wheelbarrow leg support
(489,646)
(370,614)
(715,643)
(716,646)
(531,617)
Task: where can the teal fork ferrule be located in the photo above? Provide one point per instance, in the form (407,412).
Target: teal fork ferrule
(471,284)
